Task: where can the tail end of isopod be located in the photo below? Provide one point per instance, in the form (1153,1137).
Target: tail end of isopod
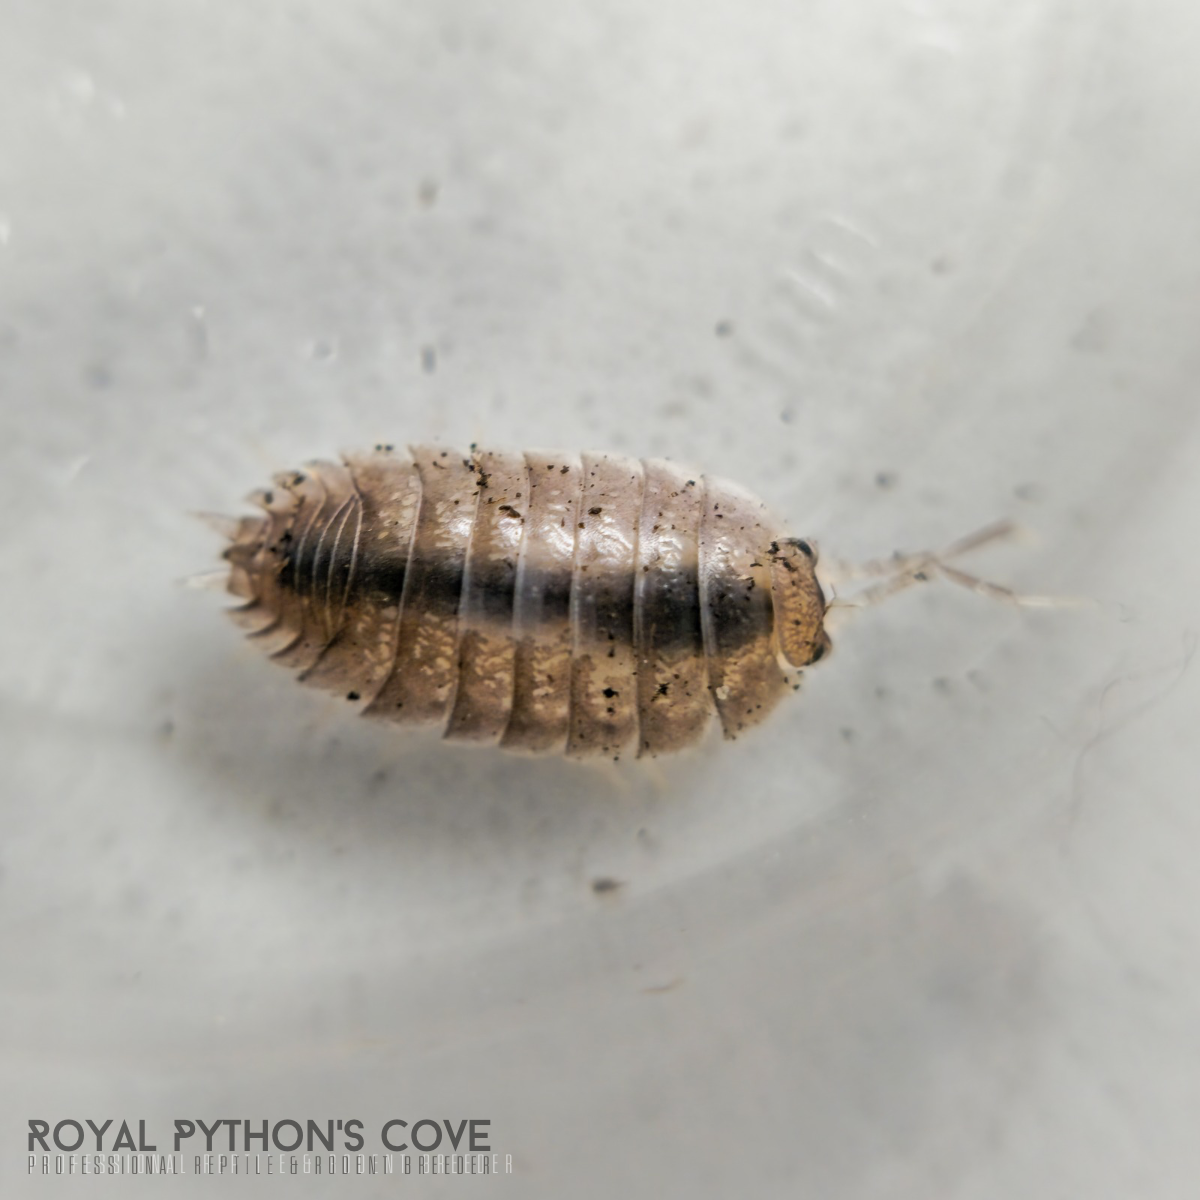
(244,537)
(207,581)
(221,524)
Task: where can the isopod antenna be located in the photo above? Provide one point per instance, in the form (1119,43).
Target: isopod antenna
(901,571)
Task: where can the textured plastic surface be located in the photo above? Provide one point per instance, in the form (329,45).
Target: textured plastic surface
(901,269)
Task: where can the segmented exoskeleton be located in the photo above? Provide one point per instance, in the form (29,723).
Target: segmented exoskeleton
(547,602)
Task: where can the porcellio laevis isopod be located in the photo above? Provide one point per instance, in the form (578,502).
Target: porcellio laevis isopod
(591,604)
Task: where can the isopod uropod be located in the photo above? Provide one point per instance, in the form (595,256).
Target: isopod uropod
(546,602)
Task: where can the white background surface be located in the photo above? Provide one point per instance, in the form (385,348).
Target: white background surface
(902,268)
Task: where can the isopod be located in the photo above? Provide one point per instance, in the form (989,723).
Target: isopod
(591,604)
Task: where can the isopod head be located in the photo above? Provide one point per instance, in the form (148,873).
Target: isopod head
(798,601)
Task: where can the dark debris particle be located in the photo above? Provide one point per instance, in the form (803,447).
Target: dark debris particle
(605,885)
(609,693)
(353,696)
(595,512)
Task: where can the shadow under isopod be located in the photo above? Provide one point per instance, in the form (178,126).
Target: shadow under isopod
(292,759)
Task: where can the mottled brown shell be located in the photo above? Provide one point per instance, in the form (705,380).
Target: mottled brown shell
(545,602)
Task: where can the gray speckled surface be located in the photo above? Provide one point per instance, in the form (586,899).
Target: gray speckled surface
(900,268)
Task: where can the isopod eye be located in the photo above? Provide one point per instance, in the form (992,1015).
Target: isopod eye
(805,549)
(822,648)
